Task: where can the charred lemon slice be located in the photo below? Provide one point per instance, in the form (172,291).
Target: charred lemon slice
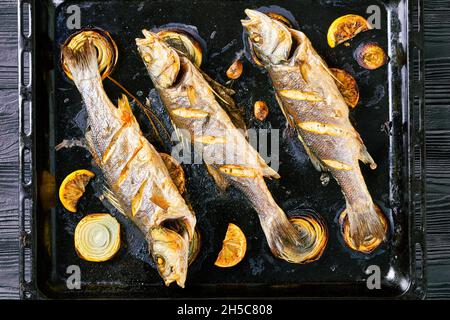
(369,244)
(183,43)
(175,171)
(347,86)
(73,187)
(370,55)
(233,248)
(97,237)
(346,27)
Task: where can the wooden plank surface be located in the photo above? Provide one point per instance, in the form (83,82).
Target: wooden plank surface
(9,123)
(437,92)
(437,95)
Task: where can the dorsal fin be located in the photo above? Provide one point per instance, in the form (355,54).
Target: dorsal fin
(225,100)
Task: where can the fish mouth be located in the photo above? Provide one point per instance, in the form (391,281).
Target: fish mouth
(149,38)
(254,19)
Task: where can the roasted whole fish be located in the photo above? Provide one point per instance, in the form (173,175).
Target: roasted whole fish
(199,118)
(134,170)
(312,103)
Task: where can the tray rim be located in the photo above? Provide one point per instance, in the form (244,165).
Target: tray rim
(415,143)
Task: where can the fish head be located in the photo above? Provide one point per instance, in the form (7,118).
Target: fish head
(270,39)
(162,61)
(169,250)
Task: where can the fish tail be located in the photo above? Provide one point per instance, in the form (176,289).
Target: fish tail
(365,223)
(284,239)
(82,63)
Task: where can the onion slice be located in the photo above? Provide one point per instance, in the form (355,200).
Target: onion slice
(97,237)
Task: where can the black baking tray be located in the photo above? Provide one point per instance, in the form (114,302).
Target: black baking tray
(389,118)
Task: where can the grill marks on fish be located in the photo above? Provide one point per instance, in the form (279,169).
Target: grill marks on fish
(323,128)
(337,165)
(209,139)
(137,198)
(190,113)
(127,168)
(300,95)
(321,132)
(238,171)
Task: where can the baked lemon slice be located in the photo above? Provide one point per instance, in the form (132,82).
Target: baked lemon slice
(73,187)
(233,248)
(346,27)
(347,86)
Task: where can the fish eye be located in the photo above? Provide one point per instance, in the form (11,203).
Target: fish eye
(147,58)
(160,261)
(256,38)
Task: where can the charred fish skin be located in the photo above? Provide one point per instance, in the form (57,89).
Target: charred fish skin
(133,169)
(312,103)
(193,108)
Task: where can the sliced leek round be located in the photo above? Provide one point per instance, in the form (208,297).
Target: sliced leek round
(317,235)
(97,237)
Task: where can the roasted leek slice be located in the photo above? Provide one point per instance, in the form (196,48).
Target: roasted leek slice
(97,237)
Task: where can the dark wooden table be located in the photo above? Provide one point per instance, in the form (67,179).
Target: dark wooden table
(437,93)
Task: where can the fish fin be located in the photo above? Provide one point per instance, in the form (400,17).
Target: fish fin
(364,155)
(365,223)
(109,195)
(220,180)
(366,158)
(126,114)
(225,100)
(216,85)
(269,172)
(177,131)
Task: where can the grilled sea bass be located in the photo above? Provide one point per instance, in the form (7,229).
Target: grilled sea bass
(311,102)
(134,170)
(230,159)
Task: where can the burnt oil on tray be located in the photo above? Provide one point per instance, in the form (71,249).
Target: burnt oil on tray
(339,272)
